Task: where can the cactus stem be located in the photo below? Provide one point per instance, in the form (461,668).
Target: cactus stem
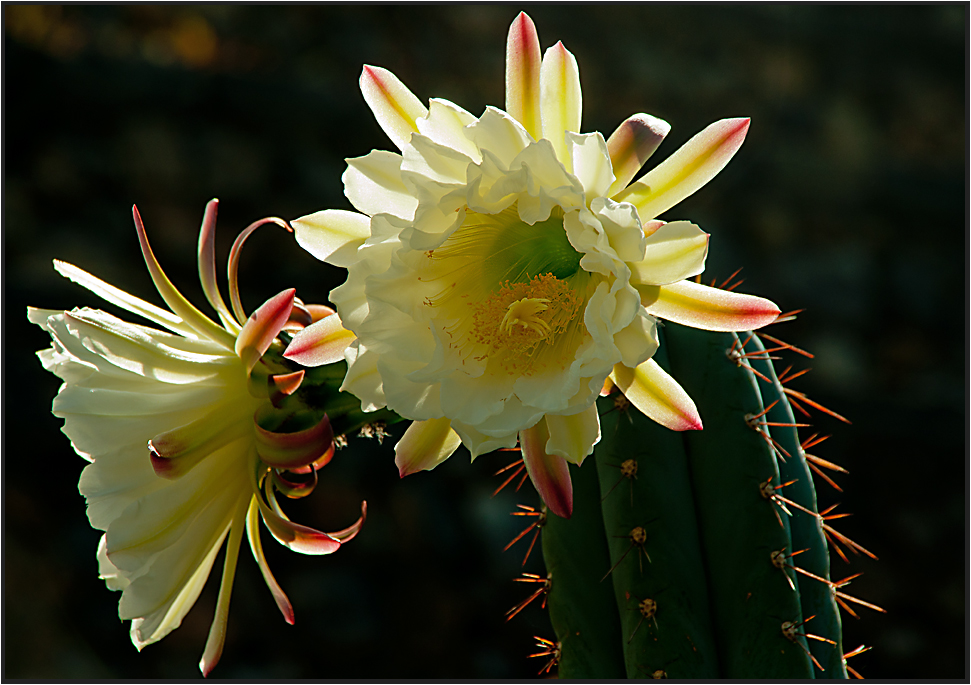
(648,609)
(534,526)
(542,590)
(791,630)
(522,467)
(550,649)
(638,537)
(628,470)
(621,404)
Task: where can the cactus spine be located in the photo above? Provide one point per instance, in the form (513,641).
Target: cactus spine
(676,562)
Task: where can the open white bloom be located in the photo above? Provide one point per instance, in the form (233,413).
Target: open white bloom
(503,266)
(171,423)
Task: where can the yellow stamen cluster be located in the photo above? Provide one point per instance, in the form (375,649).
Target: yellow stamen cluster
(516,321)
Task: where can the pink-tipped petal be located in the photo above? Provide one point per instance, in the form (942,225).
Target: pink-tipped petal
(182,308)
(523,61)
(256,547)
(631,145)
(657,395)
(395,107)
(262,327)
(425,445)
(561,101)
(320,343)
(687,170)
(207,266)
(332,235)
(608,387)
(675,251)
(710,309)
(550,473)
(284,384)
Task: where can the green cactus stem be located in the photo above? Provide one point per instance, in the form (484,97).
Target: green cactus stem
(678,561)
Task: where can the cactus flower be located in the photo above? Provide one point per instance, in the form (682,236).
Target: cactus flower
(501,267)
(185,443)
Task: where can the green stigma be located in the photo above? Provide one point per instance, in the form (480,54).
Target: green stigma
(520,252)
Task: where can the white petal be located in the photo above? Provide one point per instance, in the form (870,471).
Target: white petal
(425,445)
(591,162)
(374,185)
(445,124)
(675,251)
(332,235)
(573,437)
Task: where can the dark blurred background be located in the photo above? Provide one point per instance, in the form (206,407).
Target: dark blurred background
(848,199)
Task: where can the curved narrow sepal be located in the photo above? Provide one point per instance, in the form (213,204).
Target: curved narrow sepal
(262,327)
(256,547)
(322,342)
(232,266)
(207,266)
(710,309)
(523,61)
(425,445)
(631,145)
(332,235)
(395,107)
(352,530)
(180,306)
(687,170)
(657,395)
(292,535)
(293,450)
(319,311)
(561,102)
(217,631)
(293,484)
(550,473)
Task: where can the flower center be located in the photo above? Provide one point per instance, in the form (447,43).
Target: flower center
(514,320)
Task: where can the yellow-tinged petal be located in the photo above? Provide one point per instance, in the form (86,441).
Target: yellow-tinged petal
(523,62)
(120,298)
(217,631)
(182,308)
(707,308)
(550,473)
(561,102)
(425,445)
(675,251)
(684,172)
(631,145)
(256,546)
(320,343)
(573,437)
(332,235)
(395,107)
(657,395)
